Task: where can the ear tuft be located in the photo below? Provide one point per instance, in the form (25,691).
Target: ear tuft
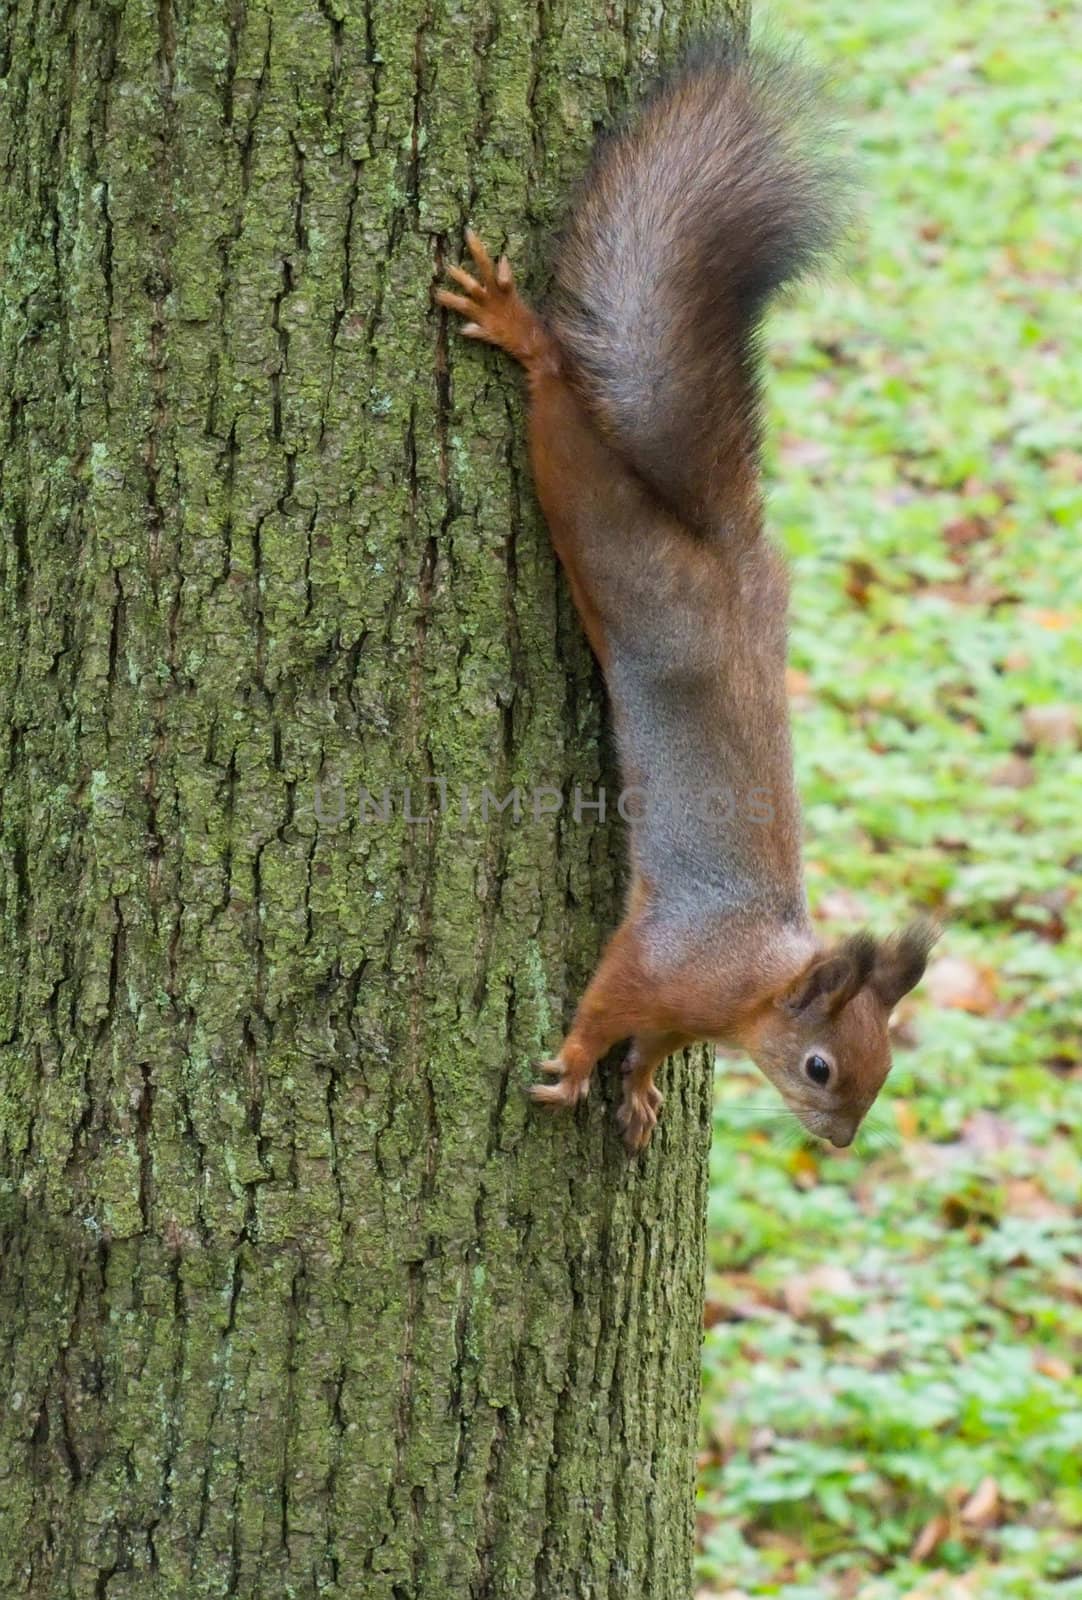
(901,960)
(832,979)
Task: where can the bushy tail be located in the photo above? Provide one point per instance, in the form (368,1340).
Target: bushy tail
(716,194)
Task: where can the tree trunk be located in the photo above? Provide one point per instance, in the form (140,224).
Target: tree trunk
(300,1296)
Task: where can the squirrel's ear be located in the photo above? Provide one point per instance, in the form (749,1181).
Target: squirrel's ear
(901,960)
(831,980)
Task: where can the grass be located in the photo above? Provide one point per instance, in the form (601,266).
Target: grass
(892,1393)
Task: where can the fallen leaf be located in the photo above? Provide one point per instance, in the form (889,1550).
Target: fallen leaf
(1043,913)
(986,1132)
(1014,773)
(1068,463)
(930,1537)
(1026,1198)
(982,1507)
(804,1168)
(956,984)
(906,1119)
(858,580)
(1054,621)
(796,452)
(798,687)
(902,1026)
(962,531)
(737,1297)
(1053,1366)
(800,1289)
(1051,727)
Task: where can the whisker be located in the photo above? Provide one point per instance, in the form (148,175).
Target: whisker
(880,1134)
(752,1111)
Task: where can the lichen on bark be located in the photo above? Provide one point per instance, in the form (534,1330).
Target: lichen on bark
(299,1296)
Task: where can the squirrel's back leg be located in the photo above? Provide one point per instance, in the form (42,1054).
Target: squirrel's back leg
(495,311)
(562,439)
(642,1100)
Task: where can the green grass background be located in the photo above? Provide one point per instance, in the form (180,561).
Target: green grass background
(892,1394)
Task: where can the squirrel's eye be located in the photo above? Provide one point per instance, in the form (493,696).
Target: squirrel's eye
(817,1069)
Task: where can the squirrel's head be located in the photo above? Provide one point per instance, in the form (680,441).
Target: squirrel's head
(822,1040)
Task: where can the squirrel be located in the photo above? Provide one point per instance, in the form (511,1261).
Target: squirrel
(644,436)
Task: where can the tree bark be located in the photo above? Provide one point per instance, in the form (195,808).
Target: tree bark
(299,1296)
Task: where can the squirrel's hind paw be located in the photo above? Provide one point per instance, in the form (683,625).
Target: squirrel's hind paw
(637,1117)
(492,305)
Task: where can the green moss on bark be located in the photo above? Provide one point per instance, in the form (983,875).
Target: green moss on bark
(299,1296)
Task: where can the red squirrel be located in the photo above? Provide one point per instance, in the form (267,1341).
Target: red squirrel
(644,433)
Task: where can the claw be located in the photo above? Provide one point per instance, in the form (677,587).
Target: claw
(637,1118)
(567,1092)
(480,255)
(471,285)
(455,302)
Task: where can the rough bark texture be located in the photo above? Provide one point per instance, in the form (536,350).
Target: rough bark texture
(299,1296)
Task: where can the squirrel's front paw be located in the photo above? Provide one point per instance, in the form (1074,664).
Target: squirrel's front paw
(571,1088)
(637,1116)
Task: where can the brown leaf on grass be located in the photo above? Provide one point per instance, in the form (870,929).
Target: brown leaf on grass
(1043,913)
(905,1118)
(797,452)
(941,1586)
(738,1297)
(1014,773)
(961,532)
(804,1168)
(985,1132)
(1068,463)
(902,1026)
(798,687)
(859,577)
(1024,1197)
(929,1538)
(974,591)
(785,1549)
(957,984)
(1051,727)
(1045,132)
(969,1209)
(1052,621)
(1053,1367)
(981,1510)
(800,1289)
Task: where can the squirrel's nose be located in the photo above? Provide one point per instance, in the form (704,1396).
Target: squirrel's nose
(841,1141)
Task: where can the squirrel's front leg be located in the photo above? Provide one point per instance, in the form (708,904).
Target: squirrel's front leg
(599,1023)
(613,1008)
